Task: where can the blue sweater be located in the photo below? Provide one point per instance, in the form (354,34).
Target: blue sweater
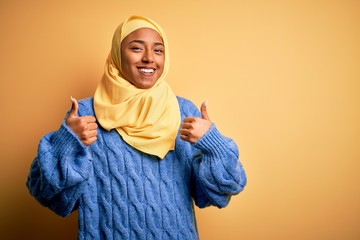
(122,193)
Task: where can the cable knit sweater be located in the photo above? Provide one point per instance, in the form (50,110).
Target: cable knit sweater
(121,193)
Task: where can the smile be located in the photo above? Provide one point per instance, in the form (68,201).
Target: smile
(146,70)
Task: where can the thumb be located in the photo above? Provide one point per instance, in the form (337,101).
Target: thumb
(74,108)
(203,110)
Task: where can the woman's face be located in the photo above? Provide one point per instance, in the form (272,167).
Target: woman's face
(142,57)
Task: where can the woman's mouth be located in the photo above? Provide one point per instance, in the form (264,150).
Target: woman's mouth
(146,70)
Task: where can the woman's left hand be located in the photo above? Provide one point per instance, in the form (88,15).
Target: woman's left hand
(193,128)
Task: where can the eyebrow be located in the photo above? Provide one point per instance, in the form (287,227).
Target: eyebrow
(143,42)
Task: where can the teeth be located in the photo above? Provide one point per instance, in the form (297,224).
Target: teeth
(145,70)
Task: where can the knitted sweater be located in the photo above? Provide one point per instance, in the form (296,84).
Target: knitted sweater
(122,193)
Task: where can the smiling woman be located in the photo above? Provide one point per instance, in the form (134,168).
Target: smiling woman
(142,57)
(123,158)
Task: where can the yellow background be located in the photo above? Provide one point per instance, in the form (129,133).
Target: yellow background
(282,79)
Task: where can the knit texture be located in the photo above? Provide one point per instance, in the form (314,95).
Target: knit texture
(122,193)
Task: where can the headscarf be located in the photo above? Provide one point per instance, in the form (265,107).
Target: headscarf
(147,119)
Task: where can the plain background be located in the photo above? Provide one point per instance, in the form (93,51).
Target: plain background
(282,79)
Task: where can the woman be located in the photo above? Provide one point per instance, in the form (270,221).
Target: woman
(135,158)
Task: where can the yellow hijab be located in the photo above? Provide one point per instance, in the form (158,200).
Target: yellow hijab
(147,119)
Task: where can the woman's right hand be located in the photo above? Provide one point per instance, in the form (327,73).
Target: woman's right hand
(84,127)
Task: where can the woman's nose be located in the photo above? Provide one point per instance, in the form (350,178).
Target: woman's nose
(148,57)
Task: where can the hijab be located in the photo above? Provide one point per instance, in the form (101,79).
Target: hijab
(146,119)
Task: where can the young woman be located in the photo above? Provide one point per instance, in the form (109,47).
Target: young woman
(134,159)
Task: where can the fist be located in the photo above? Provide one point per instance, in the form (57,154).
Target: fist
(84,127)
(193,128)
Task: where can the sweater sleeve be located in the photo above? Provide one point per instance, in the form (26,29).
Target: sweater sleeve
(59,171)
(218,173)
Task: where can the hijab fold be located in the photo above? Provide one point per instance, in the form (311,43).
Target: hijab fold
(147,119)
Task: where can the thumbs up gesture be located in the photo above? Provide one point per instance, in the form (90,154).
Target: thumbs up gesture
(84,127)
(193,128)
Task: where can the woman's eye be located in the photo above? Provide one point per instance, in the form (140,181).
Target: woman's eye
(137,49)
(158,51)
